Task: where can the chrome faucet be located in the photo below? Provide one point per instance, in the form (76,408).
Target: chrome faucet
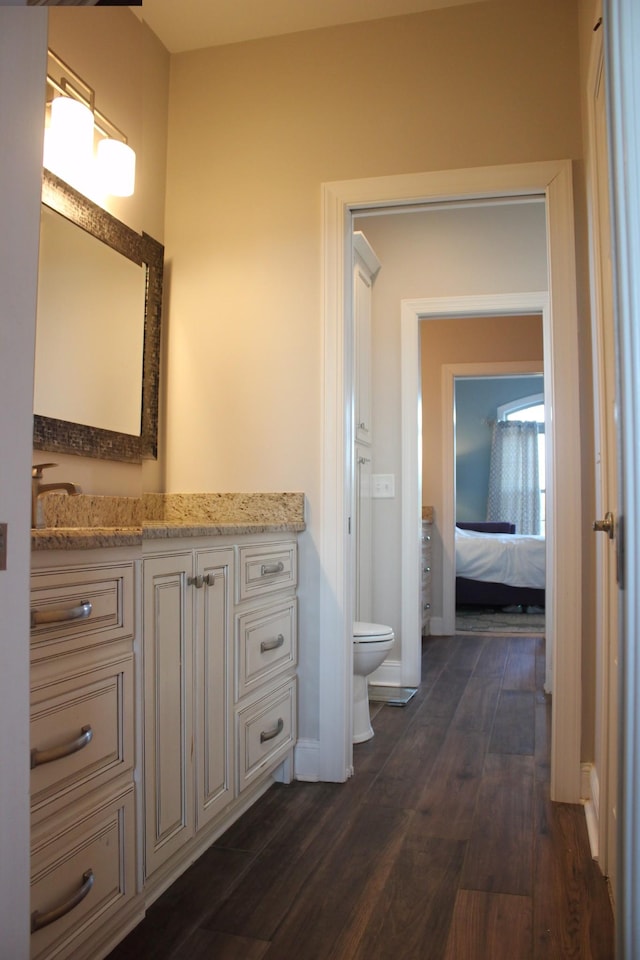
(38,488)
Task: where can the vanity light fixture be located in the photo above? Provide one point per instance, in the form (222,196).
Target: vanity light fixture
(81,145)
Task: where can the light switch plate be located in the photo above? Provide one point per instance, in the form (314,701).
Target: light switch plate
(383,485)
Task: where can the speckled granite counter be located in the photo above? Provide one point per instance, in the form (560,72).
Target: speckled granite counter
(86,522)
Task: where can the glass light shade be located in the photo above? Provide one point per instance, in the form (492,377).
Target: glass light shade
(116,167)
(68,144)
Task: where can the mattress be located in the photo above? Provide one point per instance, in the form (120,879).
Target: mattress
(514,559)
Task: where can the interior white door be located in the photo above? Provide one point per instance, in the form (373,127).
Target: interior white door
(605,770)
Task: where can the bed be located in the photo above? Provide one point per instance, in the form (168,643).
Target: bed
(495,567)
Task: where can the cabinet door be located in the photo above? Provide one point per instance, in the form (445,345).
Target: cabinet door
(213,670)
(168,669)
(362,321)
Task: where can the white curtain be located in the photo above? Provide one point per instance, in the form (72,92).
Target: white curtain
(514,485)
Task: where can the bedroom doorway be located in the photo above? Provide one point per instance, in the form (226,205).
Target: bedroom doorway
(499,489)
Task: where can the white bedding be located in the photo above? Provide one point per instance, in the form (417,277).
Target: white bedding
(518,560)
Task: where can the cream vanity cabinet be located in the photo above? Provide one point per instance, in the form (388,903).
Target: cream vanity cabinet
(188,773)
(219,687)
(83,838)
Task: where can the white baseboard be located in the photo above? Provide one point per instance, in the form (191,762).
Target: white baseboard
(436,627)
(306,763)
(591,800)
(389,674)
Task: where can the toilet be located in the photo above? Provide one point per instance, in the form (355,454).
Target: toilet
(371,644)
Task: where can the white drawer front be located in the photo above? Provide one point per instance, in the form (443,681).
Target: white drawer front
(80,608)
(102,844)
(81,732)
(266,568)
(266,645)
(266,731)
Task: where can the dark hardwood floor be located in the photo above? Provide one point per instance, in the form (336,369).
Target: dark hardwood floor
(443,846)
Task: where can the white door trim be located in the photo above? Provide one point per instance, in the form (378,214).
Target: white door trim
(412,312)
(553,180)
(622,38)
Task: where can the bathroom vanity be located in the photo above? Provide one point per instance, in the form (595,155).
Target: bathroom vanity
(163,703)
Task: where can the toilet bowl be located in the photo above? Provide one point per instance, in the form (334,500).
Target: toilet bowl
(371,644)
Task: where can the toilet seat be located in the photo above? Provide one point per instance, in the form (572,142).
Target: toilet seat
(371,632)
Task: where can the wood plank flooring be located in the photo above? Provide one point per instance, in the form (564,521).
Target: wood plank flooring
(443,846)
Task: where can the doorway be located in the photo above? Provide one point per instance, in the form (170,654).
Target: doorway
(341,201)
(500,477)
(415,313)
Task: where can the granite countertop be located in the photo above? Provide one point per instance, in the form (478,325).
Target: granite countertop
(87,522)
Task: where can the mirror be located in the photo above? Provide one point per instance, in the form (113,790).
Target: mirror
(97,332)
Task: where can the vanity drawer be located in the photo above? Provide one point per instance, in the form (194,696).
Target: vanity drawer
(265,568)
(81,876)
(76,608)
(265,644)
(266,730)
(81,733)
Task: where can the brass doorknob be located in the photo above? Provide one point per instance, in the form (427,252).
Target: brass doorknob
(606,526)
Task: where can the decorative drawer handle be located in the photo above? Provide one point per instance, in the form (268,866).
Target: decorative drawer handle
(363,426)
(269,568)
(61,614)
(270,734)
(272,644)
(209,579)
(40,920)
(38,757)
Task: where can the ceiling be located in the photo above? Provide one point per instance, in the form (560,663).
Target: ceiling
(190,24)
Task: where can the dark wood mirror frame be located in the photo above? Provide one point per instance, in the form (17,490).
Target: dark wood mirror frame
(62,436)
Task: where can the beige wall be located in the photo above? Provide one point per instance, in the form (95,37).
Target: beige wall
(254,129)
(117,55)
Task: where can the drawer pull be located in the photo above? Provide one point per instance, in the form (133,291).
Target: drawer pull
(61,614)
(270,734)
(209,579)
(40,920)
(272,644)
(38,757)
(269,568)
